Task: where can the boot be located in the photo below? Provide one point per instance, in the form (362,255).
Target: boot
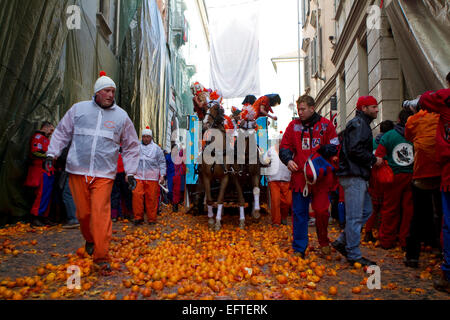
(89,247)
(442,284)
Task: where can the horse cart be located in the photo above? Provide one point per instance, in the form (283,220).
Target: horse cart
(196,195)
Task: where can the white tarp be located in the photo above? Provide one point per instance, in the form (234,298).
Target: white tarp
(234,30)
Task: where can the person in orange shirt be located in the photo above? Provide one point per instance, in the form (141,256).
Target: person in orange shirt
(421,130)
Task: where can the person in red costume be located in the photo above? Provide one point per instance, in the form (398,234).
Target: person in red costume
(439,102)
(261,108)
(200,100)
(180,171)
(304,137)
(37,178)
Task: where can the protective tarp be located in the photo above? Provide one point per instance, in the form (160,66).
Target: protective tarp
(142,70)
(421,34)
(235,49)
(32,34)
(44,69)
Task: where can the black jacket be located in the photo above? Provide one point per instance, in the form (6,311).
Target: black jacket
(356,157)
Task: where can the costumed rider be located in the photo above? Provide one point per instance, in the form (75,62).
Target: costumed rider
(200,99)
(96,128)
(150,174)
(261,108)
(305,146)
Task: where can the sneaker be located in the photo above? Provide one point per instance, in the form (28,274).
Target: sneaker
(48,222)
(442,284)
(71,225)
(89,247)
(299,254)
(114,219)
(326,251)
(242,224)
(103,267)
(36,222)
(151,223)
(369,237)
(312,222)
(362,261)
(412,263)
(339,247)
(389,247)
(175,208)
(284,222)
(138,222)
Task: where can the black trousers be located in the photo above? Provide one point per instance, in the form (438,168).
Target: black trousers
(426,222)
(120,191)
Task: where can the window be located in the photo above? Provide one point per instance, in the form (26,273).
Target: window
(103,20)
(305,11)
(307,73)
(104,8)
(313,56)
(320,50)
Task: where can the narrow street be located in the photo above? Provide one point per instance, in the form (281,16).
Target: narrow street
(179,258)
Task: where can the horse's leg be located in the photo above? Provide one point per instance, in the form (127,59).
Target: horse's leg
(223,187)
(209,201)
(241,203)
(256,191)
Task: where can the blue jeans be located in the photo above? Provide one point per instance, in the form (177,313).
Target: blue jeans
(300,213)
(68,202)
(446,233)
(358,208)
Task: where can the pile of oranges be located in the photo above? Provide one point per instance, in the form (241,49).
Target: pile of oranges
(185,260)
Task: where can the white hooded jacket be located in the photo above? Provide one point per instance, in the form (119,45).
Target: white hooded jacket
(96,136)
(152,163)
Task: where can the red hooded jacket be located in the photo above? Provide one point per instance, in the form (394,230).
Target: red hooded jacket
(439,102)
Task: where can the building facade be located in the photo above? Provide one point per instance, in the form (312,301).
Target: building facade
(355,55)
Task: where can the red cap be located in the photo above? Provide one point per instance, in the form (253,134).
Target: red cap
(366,101)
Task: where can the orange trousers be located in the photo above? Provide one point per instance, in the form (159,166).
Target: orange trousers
(280,200)
(146,192)
(92,197)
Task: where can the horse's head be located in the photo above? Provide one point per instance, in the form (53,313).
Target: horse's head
(214,116)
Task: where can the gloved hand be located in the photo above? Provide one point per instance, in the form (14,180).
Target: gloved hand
(412,105)
(327,151)
(131,182)
(47,164)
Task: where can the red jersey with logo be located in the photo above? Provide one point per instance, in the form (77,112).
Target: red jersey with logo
(38,144)
(303,141)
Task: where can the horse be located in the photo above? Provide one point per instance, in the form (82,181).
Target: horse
(214,119)
(249,171)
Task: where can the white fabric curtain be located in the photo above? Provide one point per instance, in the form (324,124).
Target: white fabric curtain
(234,30)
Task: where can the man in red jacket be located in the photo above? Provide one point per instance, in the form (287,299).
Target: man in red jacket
(303,138)
(37,178)
(439,102)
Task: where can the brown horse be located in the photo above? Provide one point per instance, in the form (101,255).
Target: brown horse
(250,166)
(210,170)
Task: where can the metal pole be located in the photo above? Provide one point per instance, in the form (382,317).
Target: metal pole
(299,53)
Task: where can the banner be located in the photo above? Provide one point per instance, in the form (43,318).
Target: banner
(235,49)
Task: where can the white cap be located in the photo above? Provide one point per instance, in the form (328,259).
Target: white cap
(103,82)
(147,132)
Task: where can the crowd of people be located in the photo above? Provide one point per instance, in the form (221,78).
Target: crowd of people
(94,163)
(397,183)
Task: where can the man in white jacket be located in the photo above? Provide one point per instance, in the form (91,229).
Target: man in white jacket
(279,178)
(150,173)
(96,129)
